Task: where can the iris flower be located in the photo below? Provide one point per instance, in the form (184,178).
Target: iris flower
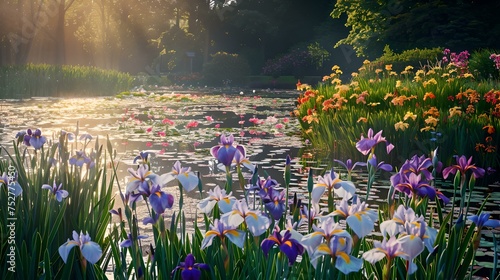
(483,220)
(186,177)
(380,165)
(217,196)
(13,186)
(141,178)
(189,269)
(226,150)
(415,186)
(160,200)
(275,203)
(56,190)
(324,232)
(256,223)
(289,246)
(79,159)
(389,248)
(367,145)
(348,165)
(331,181)
(90,250)
(130,240)
(339,248)
(358,216)
(222,231)
(142,157)
(463,165)
(34,139)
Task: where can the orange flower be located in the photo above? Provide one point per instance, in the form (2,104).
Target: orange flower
(489,128)
(479,147)
(455,111)
(362,119)
(490,149)
(429,95)
(431,121)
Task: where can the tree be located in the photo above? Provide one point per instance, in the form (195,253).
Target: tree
(406,24)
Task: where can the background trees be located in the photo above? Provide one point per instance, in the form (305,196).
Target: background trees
(155,35)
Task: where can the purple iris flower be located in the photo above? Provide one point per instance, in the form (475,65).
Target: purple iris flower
(275,203)
(79,159)
(339,248)
(143,157)
(56,190)
(160,200)
(418,165)
(130,240)
(358,216)
(463,165)
(348,165)
(265,185)
(255,221)
(381,165)
(289,246)
(141,178)
(90,250)
(366,145)
(483,220)
(34,139)
(389,248)
(416,186)
(226,150)
(190,270)
(13,185)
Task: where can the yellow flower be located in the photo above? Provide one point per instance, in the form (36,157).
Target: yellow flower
(366,62)
(354,84)
(419,72)
(427,128)
(393,73)
(455,111)
(338,71)
(468,75)
(430,82)
(408,68)
(388,67)
(450,80)
(431,121)
(354,74)
(342,88)
(445,75)
(336,81)
(431,72)
(361,69)
(388,95)
(398,83)
(401,126)
(335,67)
(362,119)
(373,104)
(378,70)
(410,115)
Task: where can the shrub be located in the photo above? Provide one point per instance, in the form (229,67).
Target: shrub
(416,57)
(226,68)
(482,66)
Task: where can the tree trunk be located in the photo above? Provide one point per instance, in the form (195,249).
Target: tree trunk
(59,36)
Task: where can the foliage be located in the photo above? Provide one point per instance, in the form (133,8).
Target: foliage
(42,223)
(436,105)
(225,68)
(415,57)
(50,80)
(408,24)
(482,66)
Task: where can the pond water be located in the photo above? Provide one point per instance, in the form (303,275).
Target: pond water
(183,126)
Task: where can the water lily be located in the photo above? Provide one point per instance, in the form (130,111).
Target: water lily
(190,270)
(90,250)
(56,190)
(289,246)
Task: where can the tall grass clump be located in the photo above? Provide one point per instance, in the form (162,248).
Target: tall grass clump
(20,81)
(439,104)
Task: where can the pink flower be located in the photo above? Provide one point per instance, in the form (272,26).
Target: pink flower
(149,144)
(192,124)
(161,133)
(165,144)
(279,126)
(167,121)
(242,133)
(149,129)
(241,122)
(209,118)
(254,120)
(217,125)
(286,120)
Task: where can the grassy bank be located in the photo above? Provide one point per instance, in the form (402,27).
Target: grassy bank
(20,81)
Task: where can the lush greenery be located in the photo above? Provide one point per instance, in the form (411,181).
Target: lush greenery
(438,105)
(261,235)
(226,69)
(50,80)
(408,24)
